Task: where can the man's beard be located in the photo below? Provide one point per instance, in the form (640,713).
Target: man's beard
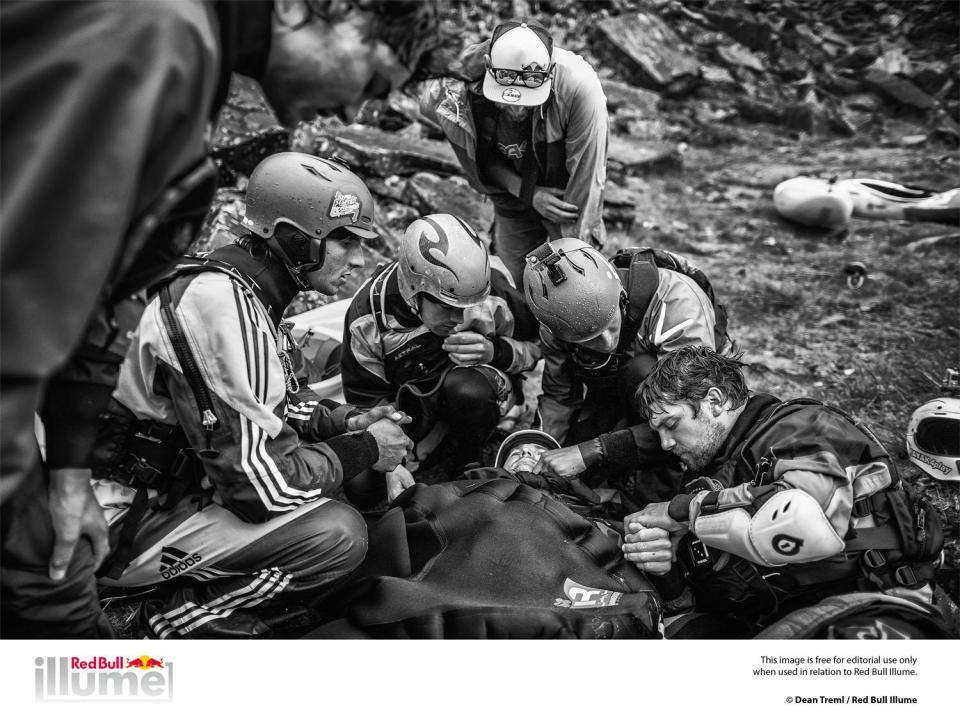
(709,443)
(514,112)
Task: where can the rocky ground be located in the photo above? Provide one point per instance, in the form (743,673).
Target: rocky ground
(712,104)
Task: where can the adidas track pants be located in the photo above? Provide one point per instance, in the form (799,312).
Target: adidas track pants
(231,567)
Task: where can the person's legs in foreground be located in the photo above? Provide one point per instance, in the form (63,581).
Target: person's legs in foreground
(236,569)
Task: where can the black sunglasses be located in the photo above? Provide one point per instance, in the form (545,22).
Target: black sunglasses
(530,78)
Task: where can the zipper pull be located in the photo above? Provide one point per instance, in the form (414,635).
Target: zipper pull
(209,420)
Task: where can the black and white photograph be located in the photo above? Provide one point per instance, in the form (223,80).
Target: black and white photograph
(339,326)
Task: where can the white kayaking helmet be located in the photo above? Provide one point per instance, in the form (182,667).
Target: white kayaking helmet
(444,258)
(933,435)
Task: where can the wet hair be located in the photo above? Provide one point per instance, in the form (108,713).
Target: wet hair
(412,28)
(686,375)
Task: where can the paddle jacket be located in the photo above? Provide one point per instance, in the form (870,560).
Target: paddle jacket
(802,500)
(678,314)
(260,445)
(386,344)
(570,134)
(96,135)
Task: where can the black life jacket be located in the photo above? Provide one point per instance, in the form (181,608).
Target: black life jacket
(899,551)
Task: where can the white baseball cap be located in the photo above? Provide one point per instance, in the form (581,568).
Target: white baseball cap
(519,46)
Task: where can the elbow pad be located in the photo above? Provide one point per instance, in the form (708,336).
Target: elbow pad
(789,528)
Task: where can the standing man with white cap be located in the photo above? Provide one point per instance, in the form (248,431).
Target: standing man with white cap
(530,131)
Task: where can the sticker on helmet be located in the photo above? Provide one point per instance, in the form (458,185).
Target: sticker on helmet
(427,245)
(511,95)
(345,204)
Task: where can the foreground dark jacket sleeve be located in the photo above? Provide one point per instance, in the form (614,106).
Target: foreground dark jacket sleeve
(103,105)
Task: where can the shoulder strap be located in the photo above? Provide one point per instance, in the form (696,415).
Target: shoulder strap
(191,371)
(377,295)
(640,279)
(642,264)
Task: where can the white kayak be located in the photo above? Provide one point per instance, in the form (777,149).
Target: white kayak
(831,203)
(813,201)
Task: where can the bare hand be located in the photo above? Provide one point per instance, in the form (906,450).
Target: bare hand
(467,348)
(392,444)
(650,549)
(397,482)
(364,420)
(550,204)
(561,462)
(75,513)
(655,515)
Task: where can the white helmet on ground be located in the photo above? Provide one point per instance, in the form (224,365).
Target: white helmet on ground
(933,438)
(443,257)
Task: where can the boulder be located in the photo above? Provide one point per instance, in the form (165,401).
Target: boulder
(643,48)
(372,151)
(429,193)
(628,98)
(627,156)
(246,132)
(898,90)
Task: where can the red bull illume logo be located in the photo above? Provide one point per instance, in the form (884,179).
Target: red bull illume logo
(103,678)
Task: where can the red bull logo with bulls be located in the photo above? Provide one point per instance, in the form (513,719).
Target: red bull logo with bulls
(103,678)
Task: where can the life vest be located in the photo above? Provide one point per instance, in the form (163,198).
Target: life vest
(900,550)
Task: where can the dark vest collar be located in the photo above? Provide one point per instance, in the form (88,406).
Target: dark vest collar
(270,279)
(758,407)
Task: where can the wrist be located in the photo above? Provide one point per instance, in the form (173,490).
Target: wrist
(591,451)
(679,508)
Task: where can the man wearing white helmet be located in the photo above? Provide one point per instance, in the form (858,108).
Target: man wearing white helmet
(530,130)
(443,334)
(787,502)
(603,327)
(215,464)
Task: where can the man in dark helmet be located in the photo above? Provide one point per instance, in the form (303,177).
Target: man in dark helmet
(214,463)
(105,108)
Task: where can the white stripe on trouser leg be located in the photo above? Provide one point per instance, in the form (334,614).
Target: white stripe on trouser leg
(191,616)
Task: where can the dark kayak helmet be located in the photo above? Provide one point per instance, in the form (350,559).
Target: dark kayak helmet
(571,289)
(314,195)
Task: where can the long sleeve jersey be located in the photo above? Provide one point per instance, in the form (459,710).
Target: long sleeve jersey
(268,433)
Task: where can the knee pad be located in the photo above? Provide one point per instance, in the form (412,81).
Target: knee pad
(476,396)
